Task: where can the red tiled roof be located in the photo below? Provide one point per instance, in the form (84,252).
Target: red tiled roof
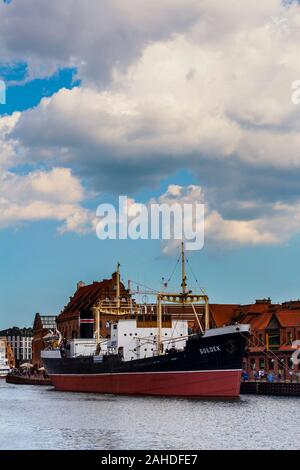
(255,308)
(288,318)
(86,296)
(258,321)
(222,313)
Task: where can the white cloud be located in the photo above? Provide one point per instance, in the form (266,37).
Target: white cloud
(41,195)
(57,186)
(225,97)
(93,35)
(279,225)
(8,157)
(196,85)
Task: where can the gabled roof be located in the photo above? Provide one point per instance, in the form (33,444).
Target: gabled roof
(258,321)
(87,295)
(288,318)
(222,314)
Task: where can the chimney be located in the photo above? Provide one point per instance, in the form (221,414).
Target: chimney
(264,301)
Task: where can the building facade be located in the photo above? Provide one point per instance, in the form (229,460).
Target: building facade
(275,330)
(43,325)
(4,367)
(6,355)
(84,299)
(20,341)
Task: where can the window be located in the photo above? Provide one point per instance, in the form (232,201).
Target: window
(274,339)
(261,362)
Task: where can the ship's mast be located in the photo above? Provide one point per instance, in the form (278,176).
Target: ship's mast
(183,275)
(185,297)
(118,286)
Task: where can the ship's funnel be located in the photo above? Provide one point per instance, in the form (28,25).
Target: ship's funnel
(86,321)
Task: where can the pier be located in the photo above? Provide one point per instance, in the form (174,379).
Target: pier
(290,389)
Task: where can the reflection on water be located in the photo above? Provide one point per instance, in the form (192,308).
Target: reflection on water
(40,418)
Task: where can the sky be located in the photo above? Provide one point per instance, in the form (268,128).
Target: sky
(163,101)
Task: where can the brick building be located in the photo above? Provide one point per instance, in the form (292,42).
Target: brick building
(85,297)
(43,324)
(274,329)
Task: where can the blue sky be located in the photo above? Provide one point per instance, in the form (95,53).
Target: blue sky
(141,105)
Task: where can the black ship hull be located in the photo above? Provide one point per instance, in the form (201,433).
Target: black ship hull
(210,366)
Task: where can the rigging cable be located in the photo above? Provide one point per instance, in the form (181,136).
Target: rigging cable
(193,274)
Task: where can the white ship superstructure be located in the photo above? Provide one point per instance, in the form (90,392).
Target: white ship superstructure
(138,342)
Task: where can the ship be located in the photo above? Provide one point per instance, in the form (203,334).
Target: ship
(153,355)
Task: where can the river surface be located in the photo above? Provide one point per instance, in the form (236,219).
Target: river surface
(33,417)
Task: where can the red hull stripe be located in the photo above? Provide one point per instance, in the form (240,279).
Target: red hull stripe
(163,372)
(192,384)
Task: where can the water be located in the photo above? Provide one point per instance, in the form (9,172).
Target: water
(41,418)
